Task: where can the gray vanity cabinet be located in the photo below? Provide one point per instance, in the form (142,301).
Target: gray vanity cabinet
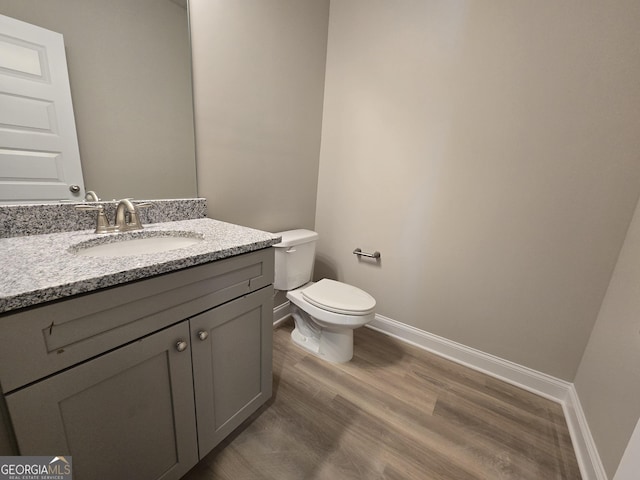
(126,414)
(231,364)
(142,380)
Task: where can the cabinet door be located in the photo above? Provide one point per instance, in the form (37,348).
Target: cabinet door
(232,368)
(126,414)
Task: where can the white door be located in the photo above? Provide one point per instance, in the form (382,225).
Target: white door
(39,156)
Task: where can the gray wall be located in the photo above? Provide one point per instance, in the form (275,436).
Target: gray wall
(129,70)
(489,150)
(608,380)
(258,83)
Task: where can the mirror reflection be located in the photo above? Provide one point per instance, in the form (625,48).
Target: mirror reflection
(130,75)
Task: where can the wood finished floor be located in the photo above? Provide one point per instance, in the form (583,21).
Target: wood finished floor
(393,412)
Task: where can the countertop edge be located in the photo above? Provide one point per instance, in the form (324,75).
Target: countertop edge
(40,296)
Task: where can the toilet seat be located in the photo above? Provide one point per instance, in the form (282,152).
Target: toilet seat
(339,297)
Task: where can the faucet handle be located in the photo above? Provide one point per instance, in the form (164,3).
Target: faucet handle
(89,206)
(135,217)
(102,222)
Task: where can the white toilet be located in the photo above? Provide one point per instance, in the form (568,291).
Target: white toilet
(325,312)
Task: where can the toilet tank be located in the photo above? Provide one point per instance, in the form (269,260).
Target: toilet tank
(294,258)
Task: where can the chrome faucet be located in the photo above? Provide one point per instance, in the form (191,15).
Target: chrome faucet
(127,217)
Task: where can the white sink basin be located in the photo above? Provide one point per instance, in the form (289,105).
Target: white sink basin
(123,246)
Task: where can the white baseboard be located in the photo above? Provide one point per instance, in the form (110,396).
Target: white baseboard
(281,313)
(528,379)
(523,377)
(586,452)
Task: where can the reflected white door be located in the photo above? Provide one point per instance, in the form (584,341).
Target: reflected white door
(39,156)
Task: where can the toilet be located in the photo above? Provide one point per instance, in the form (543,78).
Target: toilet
(325,312)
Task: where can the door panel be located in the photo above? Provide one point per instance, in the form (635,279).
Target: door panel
(232,366)
(39,155)
(126,414)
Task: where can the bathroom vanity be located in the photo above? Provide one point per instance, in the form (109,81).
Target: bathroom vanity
(137,366)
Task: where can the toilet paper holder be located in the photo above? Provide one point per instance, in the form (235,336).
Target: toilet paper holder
(360,253)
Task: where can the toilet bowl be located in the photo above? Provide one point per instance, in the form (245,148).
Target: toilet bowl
(323,325)
(325,312)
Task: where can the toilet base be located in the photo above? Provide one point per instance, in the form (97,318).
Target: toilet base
(332,345)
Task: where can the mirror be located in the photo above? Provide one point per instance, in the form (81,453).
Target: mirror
(129,65)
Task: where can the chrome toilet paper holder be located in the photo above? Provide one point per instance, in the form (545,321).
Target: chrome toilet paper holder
(360,253)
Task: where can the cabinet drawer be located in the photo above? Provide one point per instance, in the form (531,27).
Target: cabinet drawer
(40,341)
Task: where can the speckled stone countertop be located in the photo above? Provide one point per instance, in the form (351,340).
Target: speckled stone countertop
(39,268)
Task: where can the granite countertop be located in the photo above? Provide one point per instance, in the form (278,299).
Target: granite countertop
(40,268)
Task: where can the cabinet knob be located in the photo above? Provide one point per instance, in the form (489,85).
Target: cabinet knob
(203,335)
(181,346)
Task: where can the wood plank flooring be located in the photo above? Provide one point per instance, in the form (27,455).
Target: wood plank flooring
(393,412)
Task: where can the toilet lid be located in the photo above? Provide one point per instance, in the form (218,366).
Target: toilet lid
(339,297)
